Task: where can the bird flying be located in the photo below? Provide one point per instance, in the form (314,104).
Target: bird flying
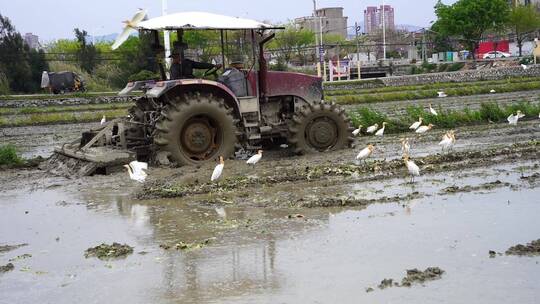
(372,128)
(218,169)
(365,153)
(380,132)
(424,129)
(432,111)
(357,131)
(411,167)
(255,158)
(129,28)
(103,120)
(416,124)
(136,170)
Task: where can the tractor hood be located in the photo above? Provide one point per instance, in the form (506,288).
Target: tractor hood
(202,21)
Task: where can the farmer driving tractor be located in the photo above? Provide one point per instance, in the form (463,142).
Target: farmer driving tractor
(182,67)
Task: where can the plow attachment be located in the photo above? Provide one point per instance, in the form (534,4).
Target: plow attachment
(100,150)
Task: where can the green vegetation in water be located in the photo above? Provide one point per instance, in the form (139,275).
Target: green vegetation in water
(56,118)
(447,119)
(436,86)
(58,109)
(432,93)
(186,246)
(8,155)
(106,251)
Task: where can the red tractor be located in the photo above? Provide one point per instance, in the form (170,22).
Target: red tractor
(195,120)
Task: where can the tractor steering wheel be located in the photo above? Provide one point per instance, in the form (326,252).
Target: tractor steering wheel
(211,71)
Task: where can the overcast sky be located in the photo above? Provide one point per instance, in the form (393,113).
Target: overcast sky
(57,18)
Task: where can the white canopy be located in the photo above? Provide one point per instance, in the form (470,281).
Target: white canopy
(200,20)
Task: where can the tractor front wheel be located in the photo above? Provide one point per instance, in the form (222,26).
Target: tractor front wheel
(196,128)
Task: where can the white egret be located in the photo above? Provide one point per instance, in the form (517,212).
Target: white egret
(218,169)
(372,128)
(411,167)
(424,129)
(136,170)
(513,119)
(524,67)
(492,91)
(103,120)
(255,158)
(380,132)
(417,124)
(405,146)
(357,131)
(130,27)
(447,141)
(221,212)
(432,111)
(365,153)
(441,94)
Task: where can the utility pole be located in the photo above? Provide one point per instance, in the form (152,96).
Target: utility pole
(318,54)
(384,30)
(166,36)
(424,53)
(357,30)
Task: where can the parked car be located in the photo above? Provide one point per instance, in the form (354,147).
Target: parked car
(496,54)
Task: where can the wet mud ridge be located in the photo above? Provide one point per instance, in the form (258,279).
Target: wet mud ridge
(329,174)
(530,249)
(414,276)
(105,251)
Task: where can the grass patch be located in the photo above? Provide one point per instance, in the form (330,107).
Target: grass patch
(58,96)
(446,119)
(8,155)
(432,93)
(58,109)
(57,118)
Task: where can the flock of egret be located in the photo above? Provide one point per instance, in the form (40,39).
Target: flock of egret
(136,169)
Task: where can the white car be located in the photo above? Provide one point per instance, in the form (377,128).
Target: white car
(495,54)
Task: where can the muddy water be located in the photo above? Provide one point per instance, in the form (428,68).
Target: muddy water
(33,141)
(260,255)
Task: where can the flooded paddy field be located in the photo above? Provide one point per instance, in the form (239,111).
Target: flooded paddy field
(320,228)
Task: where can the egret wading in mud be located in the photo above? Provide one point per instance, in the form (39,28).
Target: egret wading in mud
(357,131)
(380,132)
(405,146)
(136,170)
(372,128)
(417,124)
(432,111)
(513,119)
(365,153)
(255,158)
(524,67)
(103,120)
(424,129)
(447,141)
(218,169)
(441,94)
(411,167)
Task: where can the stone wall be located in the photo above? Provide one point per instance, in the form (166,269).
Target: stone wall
(460,76)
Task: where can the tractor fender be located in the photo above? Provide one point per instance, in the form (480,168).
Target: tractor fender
(173,88)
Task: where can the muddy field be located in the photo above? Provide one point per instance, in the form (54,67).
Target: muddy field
(320,228)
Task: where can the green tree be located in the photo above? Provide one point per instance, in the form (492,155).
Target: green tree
(38,64)
(470,19)
(291,41)
(87,54)
(523,21)
(13,57)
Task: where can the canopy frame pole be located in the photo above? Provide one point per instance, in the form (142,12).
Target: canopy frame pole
(222,51)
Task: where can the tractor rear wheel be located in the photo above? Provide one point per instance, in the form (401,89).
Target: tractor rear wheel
(320,127)
(196,128)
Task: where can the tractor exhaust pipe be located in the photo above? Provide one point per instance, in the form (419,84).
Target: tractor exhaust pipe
(263,67)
